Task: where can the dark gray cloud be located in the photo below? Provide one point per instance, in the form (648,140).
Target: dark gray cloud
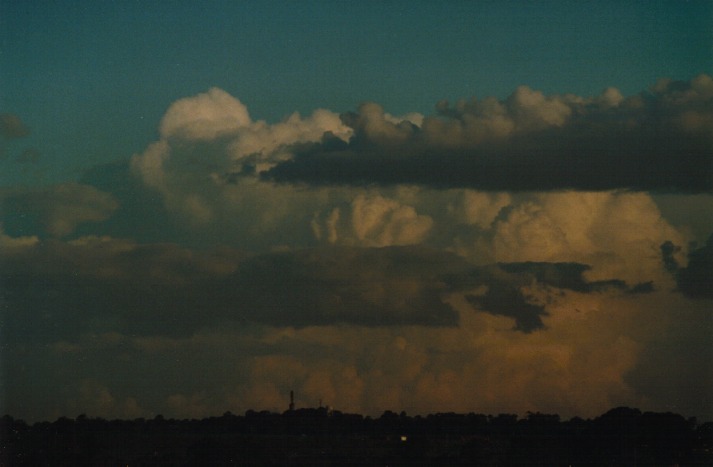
(505,295)
(568,276)
(696,279)
(660,140)
(372,287)
(61,290)
(667,256)
(505,300)
(685,357)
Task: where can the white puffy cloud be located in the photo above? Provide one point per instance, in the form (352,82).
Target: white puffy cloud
(211,180)
(204,166)
(204,117)
(619,234)
(533,110)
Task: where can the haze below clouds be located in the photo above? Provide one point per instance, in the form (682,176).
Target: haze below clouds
(546,247)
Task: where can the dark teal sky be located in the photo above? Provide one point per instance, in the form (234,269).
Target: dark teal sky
(92,79)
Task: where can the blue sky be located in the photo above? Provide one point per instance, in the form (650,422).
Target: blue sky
(174,240)
(80,74)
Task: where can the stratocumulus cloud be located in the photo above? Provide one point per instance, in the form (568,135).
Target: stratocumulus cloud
(659,140)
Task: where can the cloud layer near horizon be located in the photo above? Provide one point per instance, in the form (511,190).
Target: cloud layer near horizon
(416,263)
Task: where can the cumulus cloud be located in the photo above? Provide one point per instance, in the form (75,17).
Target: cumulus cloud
(205,116)
(373,221)
(204,166)
(218,289)
(618,234)
(659,140)
(214,182)
(213,131)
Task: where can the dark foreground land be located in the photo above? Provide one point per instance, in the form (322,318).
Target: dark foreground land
(316,437)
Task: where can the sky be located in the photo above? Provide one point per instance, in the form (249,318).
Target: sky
(422,206)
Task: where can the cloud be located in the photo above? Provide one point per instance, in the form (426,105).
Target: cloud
(213,132)
(56,211)
(659,140)
(28,156)
(205,116)
(373,221)
(680,349)
(583,362)
(212,187)
(618,234)
(696,279)
(11,126)
(568,276)
(522,291)
(372,287)
(365,329)
(183,282)
(62,290)
(506,300)
(204,168)
(97,400)
(692,214)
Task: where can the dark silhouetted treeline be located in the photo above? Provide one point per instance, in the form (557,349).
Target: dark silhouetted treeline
(318,437)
